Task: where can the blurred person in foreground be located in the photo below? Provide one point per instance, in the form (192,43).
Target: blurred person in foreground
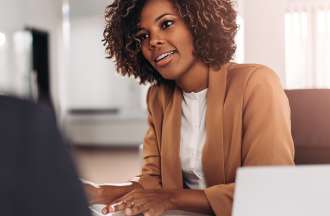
(207,116)
(37,174)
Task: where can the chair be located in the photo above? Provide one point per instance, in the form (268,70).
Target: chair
(310,120)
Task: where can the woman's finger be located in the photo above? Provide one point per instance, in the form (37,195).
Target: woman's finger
(153,212)
(128,196)
(119,206)
(133,202)
(149,212)
(126,201)
(140,206)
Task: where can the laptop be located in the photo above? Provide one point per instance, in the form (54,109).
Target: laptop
(96,211)
(283,191)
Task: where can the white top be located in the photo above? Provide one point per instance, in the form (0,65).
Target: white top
(193,136)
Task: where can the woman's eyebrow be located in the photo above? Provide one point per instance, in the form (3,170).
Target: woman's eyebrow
(156,20)
(161,16)
(139,29)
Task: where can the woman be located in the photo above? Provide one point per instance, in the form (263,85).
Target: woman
(207,116)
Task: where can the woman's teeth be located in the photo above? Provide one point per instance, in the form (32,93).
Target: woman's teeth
(164,55)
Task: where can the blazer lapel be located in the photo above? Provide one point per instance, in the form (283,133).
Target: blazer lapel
(213,152)
(170,153)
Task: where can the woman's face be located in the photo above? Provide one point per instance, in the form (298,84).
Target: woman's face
(166,41)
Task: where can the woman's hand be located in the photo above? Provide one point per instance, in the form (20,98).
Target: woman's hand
(93,193)
(148,202)
(105,194)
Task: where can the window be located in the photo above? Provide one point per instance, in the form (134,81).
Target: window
(307,43)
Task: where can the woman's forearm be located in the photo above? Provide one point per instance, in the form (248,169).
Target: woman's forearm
(191,200)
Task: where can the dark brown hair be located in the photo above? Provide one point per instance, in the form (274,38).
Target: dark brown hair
(212,24)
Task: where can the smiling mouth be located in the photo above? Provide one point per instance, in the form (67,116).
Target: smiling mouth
(164,56)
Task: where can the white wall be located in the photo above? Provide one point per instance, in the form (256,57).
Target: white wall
(264,33)
(92,81)
(11,14)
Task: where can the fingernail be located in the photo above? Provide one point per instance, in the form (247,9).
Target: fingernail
(104,210)
(128,211)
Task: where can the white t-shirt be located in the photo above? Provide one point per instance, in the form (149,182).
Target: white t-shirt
(193,136)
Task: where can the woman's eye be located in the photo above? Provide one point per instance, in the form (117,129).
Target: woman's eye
(166,24)
(143,36)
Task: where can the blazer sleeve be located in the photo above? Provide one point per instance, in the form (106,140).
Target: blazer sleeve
(266,138)
(220,198)
(150,177)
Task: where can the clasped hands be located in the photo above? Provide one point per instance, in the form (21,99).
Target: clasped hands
(141,201)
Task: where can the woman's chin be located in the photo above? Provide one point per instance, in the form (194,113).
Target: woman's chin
(169,75)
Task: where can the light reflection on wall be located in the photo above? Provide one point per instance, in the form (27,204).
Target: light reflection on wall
(3,64)
(64,60)
(239,39)
(16,63)
(2,39)
(24,83)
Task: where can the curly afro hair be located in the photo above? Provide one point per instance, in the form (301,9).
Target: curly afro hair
(212,24)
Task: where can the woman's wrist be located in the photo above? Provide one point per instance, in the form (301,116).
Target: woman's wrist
(100,194)
(190,200)
(109,193)
(174,200)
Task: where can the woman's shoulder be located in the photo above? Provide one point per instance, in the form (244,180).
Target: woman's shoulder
(248,70)
(159,94)
(249,74)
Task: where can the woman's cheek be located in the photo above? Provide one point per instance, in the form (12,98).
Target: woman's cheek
(147,56)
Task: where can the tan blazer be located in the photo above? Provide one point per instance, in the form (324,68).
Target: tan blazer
(247,123)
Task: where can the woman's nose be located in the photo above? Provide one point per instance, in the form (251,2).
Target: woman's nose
(156,42)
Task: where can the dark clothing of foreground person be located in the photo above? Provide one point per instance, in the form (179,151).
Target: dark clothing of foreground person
(37,174)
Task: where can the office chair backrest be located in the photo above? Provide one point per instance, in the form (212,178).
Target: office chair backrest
(310,120)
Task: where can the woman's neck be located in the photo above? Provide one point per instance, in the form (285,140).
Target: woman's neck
(196,79)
